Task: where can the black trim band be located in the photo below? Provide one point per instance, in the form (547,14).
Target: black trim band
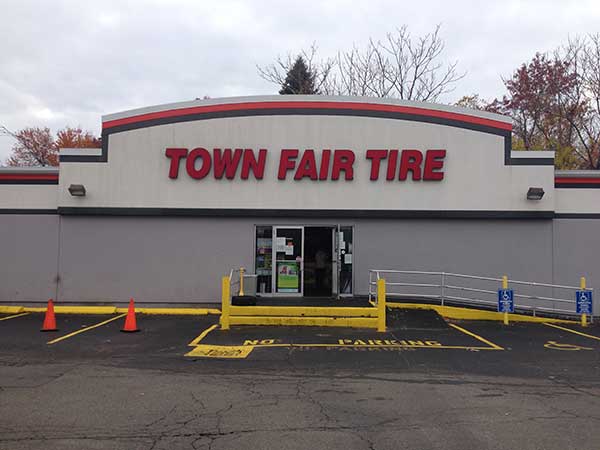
(577,216)
(531,161)
(576,186)
(358,214)
(316,213)
(28,211)
(29,181)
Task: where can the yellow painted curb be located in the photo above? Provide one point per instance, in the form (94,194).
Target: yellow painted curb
(100,310)
(75,309)
(11,309)
(174,311)
(457,312)
(302,311)
(350,322)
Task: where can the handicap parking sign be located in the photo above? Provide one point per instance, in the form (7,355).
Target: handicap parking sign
(506,301)
(584,302)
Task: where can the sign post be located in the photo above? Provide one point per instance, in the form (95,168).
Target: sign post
(584,302)
(506,303)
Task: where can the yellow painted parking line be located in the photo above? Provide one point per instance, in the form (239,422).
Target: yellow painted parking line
(401,346)
(476,336)
(242,351)
(83,330)
(14,317)
(222,351)
(235,351)
(573,331)
(202,335)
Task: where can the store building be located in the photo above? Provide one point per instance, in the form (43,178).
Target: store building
(308,192)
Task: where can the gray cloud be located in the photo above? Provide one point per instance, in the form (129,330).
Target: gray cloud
(68,62)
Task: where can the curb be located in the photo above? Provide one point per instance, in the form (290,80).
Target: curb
(456,312)
(101,310)
(12,309)
(173,311)
(449,312)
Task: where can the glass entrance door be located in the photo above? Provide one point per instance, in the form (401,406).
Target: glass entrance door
(288,251)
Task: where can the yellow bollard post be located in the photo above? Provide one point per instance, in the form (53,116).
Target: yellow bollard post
(381,305)
(583,316)
(241,281)
(505,286)
(225,302)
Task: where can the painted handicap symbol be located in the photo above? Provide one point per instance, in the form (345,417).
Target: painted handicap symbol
(567,347)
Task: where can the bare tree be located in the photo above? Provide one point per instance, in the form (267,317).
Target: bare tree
(359,72)
(398,67)
(581,107)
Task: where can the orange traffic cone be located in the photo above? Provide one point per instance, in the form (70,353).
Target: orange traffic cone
(49,318)
(130,323)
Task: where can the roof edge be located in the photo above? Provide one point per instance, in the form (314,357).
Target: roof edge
(304,98)
(29,170)
(577,174)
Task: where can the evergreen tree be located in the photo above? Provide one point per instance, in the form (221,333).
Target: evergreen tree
(299,79)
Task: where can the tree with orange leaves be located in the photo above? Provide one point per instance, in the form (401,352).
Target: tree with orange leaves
(76,138)
(36,146)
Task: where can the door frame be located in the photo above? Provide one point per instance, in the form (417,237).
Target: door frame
(338,250)
(336,264)
(274,262)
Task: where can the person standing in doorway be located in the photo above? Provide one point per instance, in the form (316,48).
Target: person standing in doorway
(320,270)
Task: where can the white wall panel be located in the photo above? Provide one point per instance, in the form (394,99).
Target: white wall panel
(476,178)
(28,196)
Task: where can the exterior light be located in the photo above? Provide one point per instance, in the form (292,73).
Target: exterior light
(77,190)
(535,193)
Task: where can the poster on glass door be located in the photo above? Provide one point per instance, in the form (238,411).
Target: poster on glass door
(288,277)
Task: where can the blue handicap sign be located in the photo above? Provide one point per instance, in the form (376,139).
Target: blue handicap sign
(584,302)
(506,301)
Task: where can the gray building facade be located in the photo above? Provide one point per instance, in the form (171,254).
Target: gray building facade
(308,192)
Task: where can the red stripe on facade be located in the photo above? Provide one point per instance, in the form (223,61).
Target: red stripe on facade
(577,180)
(28,176)
(310,105)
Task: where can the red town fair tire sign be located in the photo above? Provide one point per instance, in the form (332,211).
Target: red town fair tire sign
(228,163)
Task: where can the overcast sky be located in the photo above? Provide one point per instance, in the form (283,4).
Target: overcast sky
(69,62)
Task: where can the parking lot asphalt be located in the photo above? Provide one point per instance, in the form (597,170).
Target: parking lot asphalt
(182,382)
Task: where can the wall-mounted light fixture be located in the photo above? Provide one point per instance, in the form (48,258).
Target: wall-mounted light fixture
(535,193)
(77,190)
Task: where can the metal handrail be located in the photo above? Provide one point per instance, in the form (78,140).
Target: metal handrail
(235,281)
(485,291)
(444,287)
(413,284)
(477,277)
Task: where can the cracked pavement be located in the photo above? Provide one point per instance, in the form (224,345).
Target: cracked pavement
(105,390)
